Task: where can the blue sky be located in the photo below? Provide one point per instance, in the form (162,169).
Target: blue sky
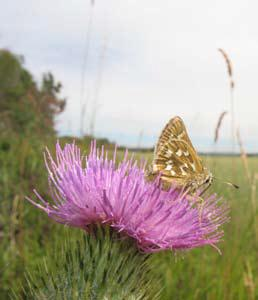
(147,61)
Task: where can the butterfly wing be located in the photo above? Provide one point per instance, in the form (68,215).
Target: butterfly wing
(175,157)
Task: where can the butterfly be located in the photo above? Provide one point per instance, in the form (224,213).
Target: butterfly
(176,160)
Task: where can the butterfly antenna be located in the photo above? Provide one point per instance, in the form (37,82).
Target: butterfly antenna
(228,183)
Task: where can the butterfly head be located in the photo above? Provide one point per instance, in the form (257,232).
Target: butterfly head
(201,181)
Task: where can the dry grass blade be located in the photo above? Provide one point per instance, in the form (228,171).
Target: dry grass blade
(229,66)
(232,84)
(249,280)
(254,181)
(216,137)
(253,199)
(243,155)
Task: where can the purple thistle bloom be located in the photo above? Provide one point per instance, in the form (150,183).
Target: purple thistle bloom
(93,190)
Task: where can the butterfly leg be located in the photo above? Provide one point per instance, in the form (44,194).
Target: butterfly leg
(205,189)
(201,208)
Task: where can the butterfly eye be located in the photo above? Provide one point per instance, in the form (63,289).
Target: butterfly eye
(207,180)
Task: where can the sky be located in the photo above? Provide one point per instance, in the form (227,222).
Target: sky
(136,64)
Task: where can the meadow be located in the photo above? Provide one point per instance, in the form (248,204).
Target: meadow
(114,65)
(26,234)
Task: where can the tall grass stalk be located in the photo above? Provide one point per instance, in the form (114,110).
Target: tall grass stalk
(232,104)
(243,156)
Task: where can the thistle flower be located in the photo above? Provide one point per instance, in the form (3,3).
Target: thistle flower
(93,190)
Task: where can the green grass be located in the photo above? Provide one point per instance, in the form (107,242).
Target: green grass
(203,273)
(26,234)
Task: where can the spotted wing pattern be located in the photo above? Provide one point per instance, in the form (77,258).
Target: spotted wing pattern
(176,159)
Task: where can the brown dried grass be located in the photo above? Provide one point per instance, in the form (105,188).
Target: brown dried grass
(232,85)
(229,66)
(243,156)
(249,280)
(221,117)
(254,201)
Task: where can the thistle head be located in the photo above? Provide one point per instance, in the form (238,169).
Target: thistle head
(95,190)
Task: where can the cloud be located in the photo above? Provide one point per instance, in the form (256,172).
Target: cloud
(160,60)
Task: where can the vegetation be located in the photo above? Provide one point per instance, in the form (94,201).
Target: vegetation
(27,117)
(25,107)
(82,267)
(204,273)
(27,237)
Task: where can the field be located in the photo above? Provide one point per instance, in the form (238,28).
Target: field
(203,273)
(26,234)
(116,72)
